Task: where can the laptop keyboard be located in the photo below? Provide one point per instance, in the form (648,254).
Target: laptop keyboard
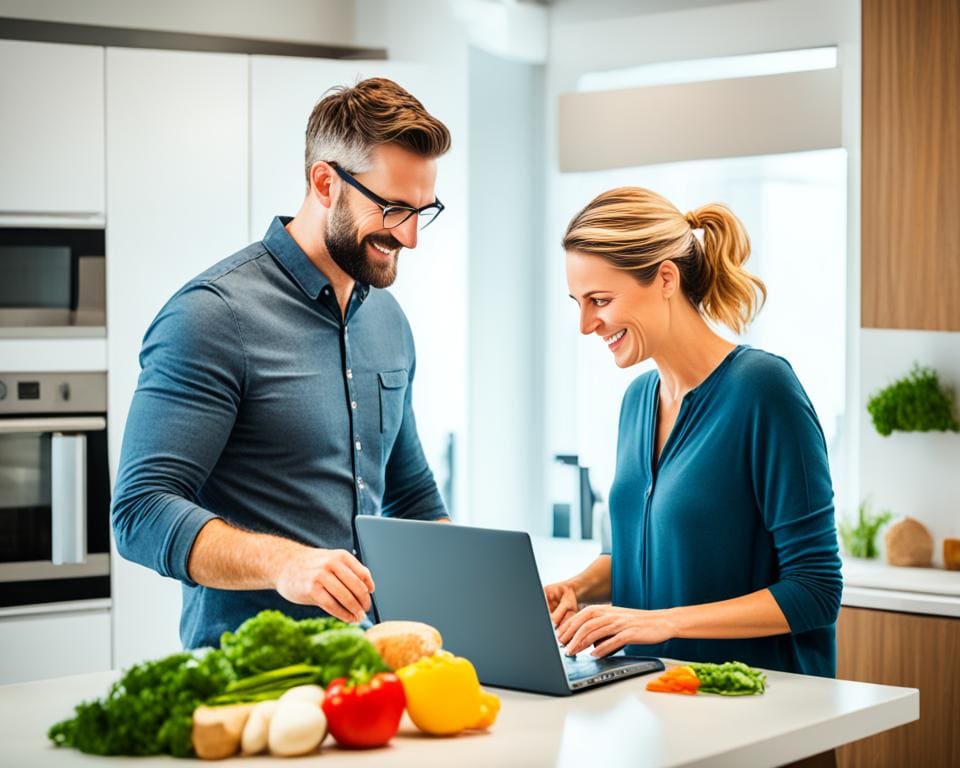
(584,666)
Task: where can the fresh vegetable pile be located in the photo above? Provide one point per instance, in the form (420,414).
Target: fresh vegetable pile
(732,678)
(263,688)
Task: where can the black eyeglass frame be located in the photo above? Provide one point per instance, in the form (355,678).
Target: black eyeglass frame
(387,206)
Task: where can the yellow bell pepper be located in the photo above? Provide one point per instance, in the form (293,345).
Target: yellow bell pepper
(489,709)
(444,695)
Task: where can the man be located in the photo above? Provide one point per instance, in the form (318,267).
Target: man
(274,402)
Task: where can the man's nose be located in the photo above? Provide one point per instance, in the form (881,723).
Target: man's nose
(406,233)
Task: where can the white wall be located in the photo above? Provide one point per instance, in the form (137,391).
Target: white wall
(303,21)
(609,35)
(911,473)
(505,338)
(430,34)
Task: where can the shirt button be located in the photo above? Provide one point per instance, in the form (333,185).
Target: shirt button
(349,374)
(353,404)
(358,445)
(360,482)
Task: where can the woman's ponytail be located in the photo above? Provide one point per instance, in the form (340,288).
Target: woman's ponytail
(731,295)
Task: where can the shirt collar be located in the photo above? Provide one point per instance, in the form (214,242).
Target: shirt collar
(296,263)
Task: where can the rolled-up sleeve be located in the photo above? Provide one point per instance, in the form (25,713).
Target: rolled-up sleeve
(791,480)
(183,411)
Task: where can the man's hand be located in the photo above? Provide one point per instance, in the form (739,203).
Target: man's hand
(562,601)
(332,579)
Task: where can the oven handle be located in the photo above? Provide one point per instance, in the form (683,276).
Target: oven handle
(68,498)
(52,424)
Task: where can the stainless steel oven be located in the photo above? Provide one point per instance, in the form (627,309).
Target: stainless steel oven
(54,488)
(52,282)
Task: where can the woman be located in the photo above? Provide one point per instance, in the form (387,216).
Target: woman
(724,539)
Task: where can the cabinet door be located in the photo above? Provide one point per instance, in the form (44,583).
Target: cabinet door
(910,180)
(908,650)
(431,283)
(177,178)
(51,134)
(36,647)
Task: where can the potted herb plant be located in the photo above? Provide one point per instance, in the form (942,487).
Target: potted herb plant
(859,539)
(915,403)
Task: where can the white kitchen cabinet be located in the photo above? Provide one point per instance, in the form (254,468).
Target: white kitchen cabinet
(40,645)
(431,284)
(52,131)
(177,182)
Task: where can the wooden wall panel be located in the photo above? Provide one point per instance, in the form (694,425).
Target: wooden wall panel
(910,196)
(913,651)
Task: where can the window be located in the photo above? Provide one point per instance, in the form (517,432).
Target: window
(794,209)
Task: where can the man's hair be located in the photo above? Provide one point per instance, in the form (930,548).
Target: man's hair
(347,123)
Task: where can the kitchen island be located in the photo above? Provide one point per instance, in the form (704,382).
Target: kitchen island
(620,724)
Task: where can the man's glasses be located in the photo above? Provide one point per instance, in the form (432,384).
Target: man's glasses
(394,214)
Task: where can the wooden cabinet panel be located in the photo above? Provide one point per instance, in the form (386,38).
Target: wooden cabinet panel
(910,243)
(907,650)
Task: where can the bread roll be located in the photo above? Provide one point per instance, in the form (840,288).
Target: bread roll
(909,543)
(400,643)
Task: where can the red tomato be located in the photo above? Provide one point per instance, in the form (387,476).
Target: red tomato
(366,714)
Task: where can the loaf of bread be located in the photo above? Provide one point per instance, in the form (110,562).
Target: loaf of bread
(951,554)
(909,543)
(400,643)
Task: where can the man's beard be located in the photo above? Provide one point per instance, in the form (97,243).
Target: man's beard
(351,256)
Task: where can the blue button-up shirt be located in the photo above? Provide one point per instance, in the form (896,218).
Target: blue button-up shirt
(261,404)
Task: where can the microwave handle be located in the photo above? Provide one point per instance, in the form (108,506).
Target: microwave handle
(68,497)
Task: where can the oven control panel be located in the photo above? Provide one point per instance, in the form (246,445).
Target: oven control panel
(35,393)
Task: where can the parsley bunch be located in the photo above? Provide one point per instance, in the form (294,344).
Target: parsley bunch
(149,710)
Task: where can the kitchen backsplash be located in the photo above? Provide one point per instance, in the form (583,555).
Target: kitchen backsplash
(911,473)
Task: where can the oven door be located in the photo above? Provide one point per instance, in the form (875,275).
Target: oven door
(54,510)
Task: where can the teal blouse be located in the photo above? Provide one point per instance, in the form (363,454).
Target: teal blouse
(739,500)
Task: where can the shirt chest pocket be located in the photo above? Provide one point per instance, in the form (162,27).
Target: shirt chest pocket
(393,388)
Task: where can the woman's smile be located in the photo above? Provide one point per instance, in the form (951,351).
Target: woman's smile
(615,340)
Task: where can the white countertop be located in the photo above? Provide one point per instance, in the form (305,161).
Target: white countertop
(866,583)
(620,724)
(875,584)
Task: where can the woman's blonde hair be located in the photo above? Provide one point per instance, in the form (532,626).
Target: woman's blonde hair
(635,229)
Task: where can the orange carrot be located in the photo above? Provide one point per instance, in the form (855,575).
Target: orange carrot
(676,680)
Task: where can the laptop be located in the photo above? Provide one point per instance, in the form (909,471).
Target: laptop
(480,588)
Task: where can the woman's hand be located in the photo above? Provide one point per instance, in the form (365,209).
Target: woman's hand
(562,601)
(609,628)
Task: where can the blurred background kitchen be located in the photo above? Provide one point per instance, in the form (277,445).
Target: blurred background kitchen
(141,142)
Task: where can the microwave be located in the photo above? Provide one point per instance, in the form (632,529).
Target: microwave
(52,282)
